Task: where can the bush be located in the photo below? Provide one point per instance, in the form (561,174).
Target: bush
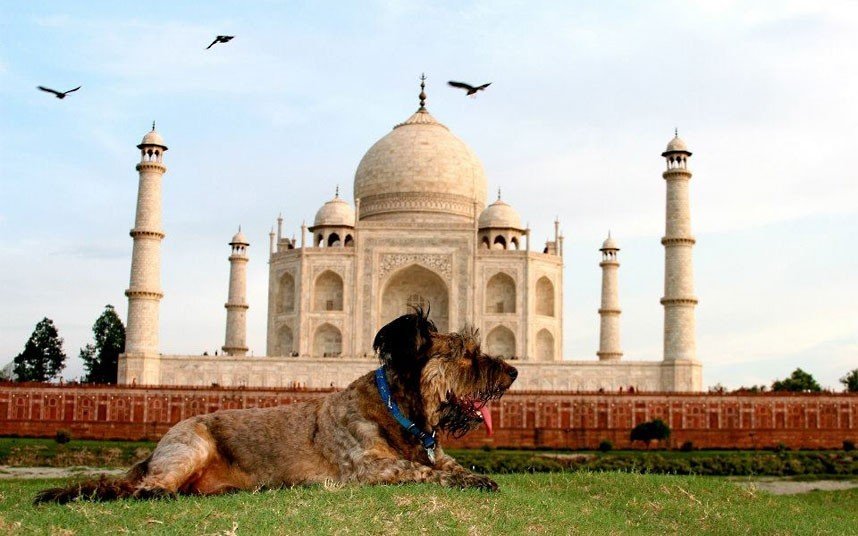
(646,432)
(688,446)
(706,464)
(605,445)
(848,445)
(62,437)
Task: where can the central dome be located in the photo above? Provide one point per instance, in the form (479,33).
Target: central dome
(420,172)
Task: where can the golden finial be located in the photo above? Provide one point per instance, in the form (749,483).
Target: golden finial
(422,91)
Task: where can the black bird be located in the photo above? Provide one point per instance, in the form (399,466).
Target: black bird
(220,39)
(58,94)
(471,89)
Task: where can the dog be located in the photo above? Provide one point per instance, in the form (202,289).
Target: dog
(382,429)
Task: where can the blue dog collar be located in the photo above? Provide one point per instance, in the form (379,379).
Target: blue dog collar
(426,439)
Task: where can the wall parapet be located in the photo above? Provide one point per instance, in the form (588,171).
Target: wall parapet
(523,419)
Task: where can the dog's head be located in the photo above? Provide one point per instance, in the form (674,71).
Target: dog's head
(454,378)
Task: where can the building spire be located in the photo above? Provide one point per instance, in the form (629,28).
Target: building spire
(337,192)
(499,194)
(676,131)
(153,125)
(422,95)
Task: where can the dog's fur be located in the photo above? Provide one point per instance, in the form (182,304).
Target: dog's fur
(438,380)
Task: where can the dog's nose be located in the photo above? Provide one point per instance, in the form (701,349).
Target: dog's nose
(513,372)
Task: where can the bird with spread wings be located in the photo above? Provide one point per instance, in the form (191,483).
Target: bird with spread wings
(58,94)
(472,90)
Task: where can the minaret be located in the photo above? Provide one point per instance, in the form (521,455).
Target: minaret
(609,312)
(236,304)
(679,300)
(144,291)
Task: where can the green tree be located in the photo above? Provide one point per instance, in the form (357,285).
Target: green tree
(655,430)
(798,382)
(101,359)
(851,381)
(43,358)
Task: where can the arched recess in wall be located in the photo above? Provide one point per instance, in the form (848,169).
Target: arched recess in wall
(544,297)
(544,345)
(284,341)
(328,292)
(499,242)
(501,343)
(415,285)
(500,294)
(327,341)
(333,240)
(286,294)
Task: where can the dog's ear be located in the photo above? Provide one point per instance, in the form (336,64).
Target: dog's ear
(402,344)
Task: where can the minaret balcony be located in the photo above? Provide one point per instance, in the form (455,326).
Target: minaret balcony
(152,166)
(144,294)
(147,233)
(678,241)
(688,301)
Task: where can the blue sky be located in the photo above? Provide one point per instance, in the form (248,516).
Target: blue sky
(584,98)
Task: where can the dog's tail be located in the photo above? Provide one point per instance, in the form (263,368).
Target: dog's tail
(98,489)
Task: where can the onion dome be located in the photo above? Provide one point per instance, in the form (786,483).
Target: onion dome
(676,145)
(610,243)
(500,215)
(335,213)
(152,138)
(239,239)
(421,168)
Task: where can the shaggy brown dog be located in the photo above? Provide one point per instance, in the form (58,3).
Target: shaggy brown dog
(439,381)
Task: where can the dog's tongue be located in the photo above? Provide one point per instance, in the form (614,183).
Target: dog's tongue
(487,416)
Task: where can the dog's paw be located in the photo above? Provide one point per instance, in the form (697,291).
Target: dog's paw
(472,481)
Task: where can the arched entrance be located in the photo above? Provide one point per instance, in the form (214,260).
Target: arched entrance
(415,286)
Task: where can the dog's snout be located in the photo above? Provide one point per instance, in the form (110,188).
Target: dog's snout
(513,372)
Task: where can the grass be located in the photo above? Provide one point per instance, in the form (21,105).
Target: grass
(563,503)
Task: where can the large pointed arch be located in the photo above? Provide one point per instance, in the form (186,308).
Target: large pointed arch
(545,297)
(327,341)
(286,294)
(328,292)
(544,345)
(500,294)
(285,341)
(412,286)
(500,342)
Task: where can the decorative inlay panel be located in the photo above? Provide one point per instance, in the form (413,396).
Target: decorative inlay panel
(438,263)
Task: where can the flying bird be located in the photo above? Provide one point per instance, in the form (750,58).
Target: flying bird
(220,39)
(471,89)
(57,94)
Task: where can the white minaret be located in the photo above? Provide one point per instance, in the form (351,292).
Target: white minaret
(609,312)
(144,291)
(236,304)
(679,300)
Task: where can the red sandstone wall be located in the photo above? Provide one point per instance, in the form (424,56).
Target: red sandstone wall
(539,419)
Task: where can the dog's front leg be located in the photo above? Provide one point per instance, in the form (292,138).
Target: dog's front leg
(449,464)
(399,471)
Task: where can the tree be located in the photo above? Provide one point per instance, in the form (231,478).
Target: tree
(655,430)
(851,381)
(43,358)
(798,382)
(102,358)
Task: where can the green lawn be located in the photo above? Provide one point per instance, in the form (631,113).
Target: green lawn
(561,503)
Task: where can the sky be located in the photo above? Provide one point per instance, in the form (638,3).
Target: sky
(584,98)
